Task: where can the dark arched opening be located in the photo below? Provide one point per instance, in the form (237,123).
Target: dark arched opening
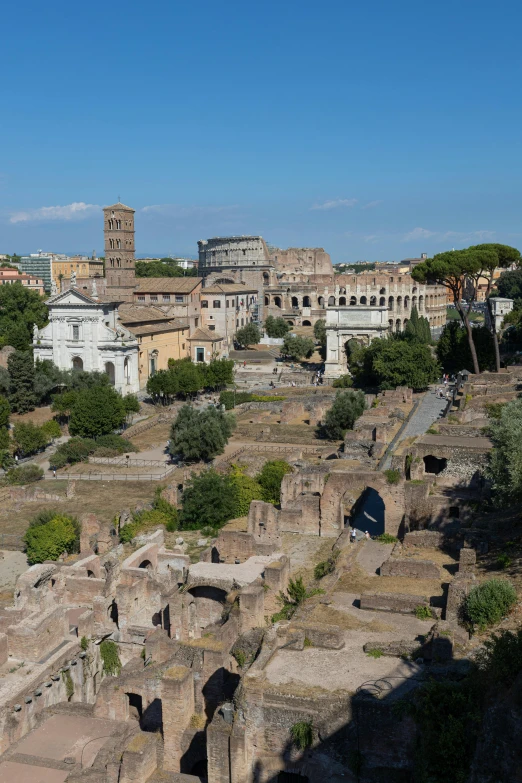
(434,465)
(306,301)
(200,770)
(353,301)
(342,301)
(277,301)
(295,301)
(307,323)
(369,513)
(145,564)
(90,574)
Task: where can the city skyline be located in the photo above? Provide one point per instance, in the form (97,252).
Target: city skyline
(375,132)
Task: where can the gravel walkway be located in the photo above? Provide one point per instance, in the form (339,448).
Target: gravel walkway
(372,555)
(430,409)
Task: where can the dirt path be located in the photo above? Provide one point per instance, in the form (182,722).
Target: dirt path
(12,564)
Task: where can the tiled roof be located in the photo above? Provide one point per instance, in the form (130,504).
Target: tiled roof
(228,288)
(168,326)
(119,205)
(205,334)
(130,313)
(167,285)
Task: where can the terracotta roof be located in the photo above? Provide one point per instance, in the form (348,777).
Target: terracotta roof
(167,285)
(228,288)
(130,313)
(168,326)
(205,334)
(119,205)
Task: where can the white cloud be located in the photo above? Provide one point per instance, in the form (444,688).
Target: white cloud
(180,211)
(372,204)
(418,233)
(78,210)
(470,236)
(340,202)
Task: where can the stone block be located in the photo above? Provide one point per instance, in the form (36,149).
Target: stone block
(393,602)
(139,758)
(416,569)
(428,538)
(395,648)
(328,637)
(3,649)
(467,561)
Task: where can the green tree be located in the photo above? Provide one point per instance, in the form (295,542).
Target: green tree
(20,365)
(200,435)
(509,285)
(47,378)
(163,385)
(418,328)
(451,269)
(453,348)
(270,480)
(63,403)
(51,430)
(131,405)
(246,490)
(297,347)
(4,382)
(320,331)
(188,378)
(49,541)
(219,373)
(488,258)
(96,411)
(346,409)
(248,335)
(391,362)
(5,411)
(276,327)
(29,438)
(157,269)
(25,474)
(504,468)
(20,308)
(209,500)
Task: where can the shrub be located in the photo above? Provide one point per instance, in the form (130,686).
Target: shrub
(270,479)
(392,476)
(170,511)
(110,657)
(375,653)
(240,657)
(387,538)
(84,643)
(346,409)
(302,734)
(501,656)
(128,532)
(29,438)
(489,602)
(344,382)
(246,490)
(208,500)
(326,567)
(49,541)
(423,613)
(297,593)
(51,429)
(75,450)
(200,435)
(494,409)
(503,561)
(25,474)
(114,443)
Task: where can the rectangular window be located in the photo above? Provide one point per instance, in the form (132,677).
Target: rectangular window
(153,298)
(200,354)
(182,346)
(141,298)
(178,298)
(76,332)
(166,297)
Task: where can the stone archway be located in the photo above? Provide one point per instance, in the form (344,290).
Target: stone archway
(77,363)
(345,496)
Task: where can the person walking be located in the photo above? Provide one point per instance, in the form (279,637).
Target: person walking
(353,536)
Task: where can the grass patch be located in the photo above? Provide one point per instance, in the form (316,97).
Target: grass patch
(375,653)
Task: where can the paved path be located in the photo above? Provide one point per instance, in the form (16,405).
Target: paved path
(430,409)
(372,555)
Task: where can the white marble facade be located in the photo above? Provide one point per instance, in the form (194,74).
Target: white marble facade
(85,333)
(355,322)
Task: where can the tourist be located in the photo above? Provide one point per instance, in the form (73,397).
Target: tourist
(367,535)
(353,536)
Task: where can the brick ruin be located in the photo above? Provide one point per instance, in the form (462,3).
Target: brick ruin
(211,691)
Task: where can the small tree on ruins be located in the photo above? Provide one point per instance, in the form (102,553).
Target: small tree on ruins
(248,335)
(343,414)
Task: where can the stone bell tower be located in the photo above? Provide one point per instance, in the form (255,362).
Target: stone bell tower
(118,229)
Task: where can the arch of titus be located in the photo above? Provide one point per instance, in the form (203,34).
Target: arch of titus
(354,322)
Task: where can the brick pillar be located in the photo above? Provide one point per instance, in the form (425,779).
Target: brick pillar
(252,607)
(139,759)
(218,741)
(177,696)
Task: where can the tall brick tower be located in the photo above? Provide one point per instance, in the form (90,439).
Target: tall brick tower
(118,229)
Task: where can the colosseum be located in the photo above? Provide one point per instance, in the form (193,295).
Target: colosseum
(299,284)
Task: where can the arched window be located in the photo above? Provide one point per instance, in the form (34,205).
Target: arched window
(295,301)
(277,301)
(362,300)
(414,301)
(398,325)
(306,301)
(216,304)
(77,363)
(353,301)
(267,300)
(399,303)
(331,301)
(421,302)
(406,302)
(382,291)
(382,301)
(373,301)
(320,301)
(342,301)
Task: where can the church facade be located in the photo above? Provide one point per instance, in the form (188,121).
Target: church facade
(86,334)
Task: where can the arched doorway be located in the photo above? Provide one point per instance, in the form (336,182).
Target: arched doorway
(353,301)
(295,302)
(209,603)
(267,300)
(277,301)
(109,369)
(145,564)
(342,301)
(331,301)
(362,300)
(369,513)
(306,301)
(77,363)
(307,323)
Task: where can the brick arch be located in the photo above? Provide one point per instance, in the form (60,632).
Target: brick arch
(343,491)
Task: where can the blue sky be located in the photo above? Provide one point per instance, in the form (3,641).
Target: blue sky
(377,130)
